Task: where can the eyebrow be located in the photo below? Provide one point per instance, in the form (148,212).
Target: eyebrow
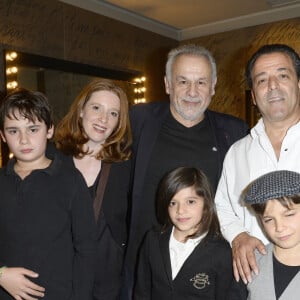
(278,70)
(29,126)
(184,77)
(286,209)
(100,104)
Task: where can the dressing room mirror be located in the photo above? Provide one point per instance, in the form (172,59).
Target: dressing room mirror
(60,80)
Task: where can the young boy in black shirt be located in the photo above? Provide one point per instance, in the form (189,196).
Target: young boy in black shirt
(47,226)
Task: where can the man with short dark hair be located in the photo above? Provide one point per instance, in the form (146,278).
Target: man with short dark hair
(273,74)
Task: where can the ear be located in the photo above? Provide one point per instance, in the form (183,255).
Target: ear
(2,136)
(253,98)
(213,87)
(167,86)
(50,132)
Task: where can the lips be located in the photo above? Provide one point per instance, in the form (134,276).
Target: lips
(274,96)
(99,128)
(25,151)
(275,99)
(283,238)
(192,101)
(182,220)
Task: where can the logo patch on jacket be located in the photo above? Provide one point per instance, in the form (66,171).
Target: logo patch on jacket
(200,281)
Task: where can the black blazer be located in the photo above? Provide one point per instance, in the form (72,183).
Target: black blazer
(111,229)
(146,121)
(115,201)
(206,273)
(112,233)
(116,195)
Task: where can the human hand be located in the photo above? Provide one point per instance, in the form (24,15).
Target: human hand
(15,282)
(243,247)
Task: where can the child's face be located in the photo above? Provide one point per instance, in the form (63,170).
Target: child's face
(282,225)
(185,211)
(100,117)
(25,139)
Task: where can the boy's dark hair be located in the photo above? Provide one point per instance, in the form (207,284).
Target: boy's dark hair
(31,105)
(287,202)
(177,180)
(273,48)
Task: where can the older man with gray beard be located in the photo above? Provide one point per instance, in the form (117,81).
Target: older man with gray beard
(182,132)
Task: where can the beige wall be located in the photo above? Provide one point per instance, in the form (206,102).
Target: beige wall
(56,29)
(232,50)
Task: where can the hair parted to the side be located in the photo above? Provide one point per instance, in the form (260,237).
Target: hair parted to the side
(32,105)
(191,50)
(177,180)
(70,136)
(269,49)
(287,202)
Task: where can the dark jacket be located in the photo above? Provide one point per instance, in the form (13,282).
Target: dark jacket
(206,273)
(146,122)
(111,230)
(112,233)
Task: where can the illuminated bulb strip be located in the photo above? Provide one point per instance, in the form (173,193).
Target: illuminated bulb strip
(140,89)
(11,70)
(11,85)
(140,100)
(11,56)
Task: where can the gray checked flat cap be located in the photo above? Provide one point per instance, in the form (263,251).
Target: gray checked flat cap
(273,185)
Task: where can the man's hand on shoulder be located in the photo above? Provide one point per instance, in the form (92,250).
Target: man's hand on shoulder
(244,261)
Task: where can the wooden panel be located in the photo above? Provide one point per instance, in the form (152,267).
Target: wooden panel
(233,49)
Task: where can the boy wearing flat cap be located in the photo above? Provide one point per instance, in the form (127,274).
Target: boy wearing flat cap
(275,200)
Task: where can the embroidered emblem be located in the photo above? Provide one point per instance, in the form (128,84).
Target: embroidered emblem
(200,281)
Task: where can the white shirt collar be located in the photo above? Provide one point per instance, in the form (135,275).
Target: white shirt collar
(179,251)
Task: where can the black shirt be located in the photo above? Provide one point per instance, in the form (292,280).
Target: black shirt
(176,146)
(283,275)
(47,225)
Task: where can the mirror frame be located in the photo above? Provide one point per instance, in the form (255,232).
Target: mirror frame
(38,61)
(33,60)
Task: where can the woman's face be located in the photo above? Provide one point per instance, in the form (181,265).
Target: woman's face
(100,116)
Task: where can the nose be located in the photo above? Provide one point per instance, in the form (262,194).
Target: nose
(180,209)
(23,138)
(279,225)
(192,89)
(272,83)
(103,117)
